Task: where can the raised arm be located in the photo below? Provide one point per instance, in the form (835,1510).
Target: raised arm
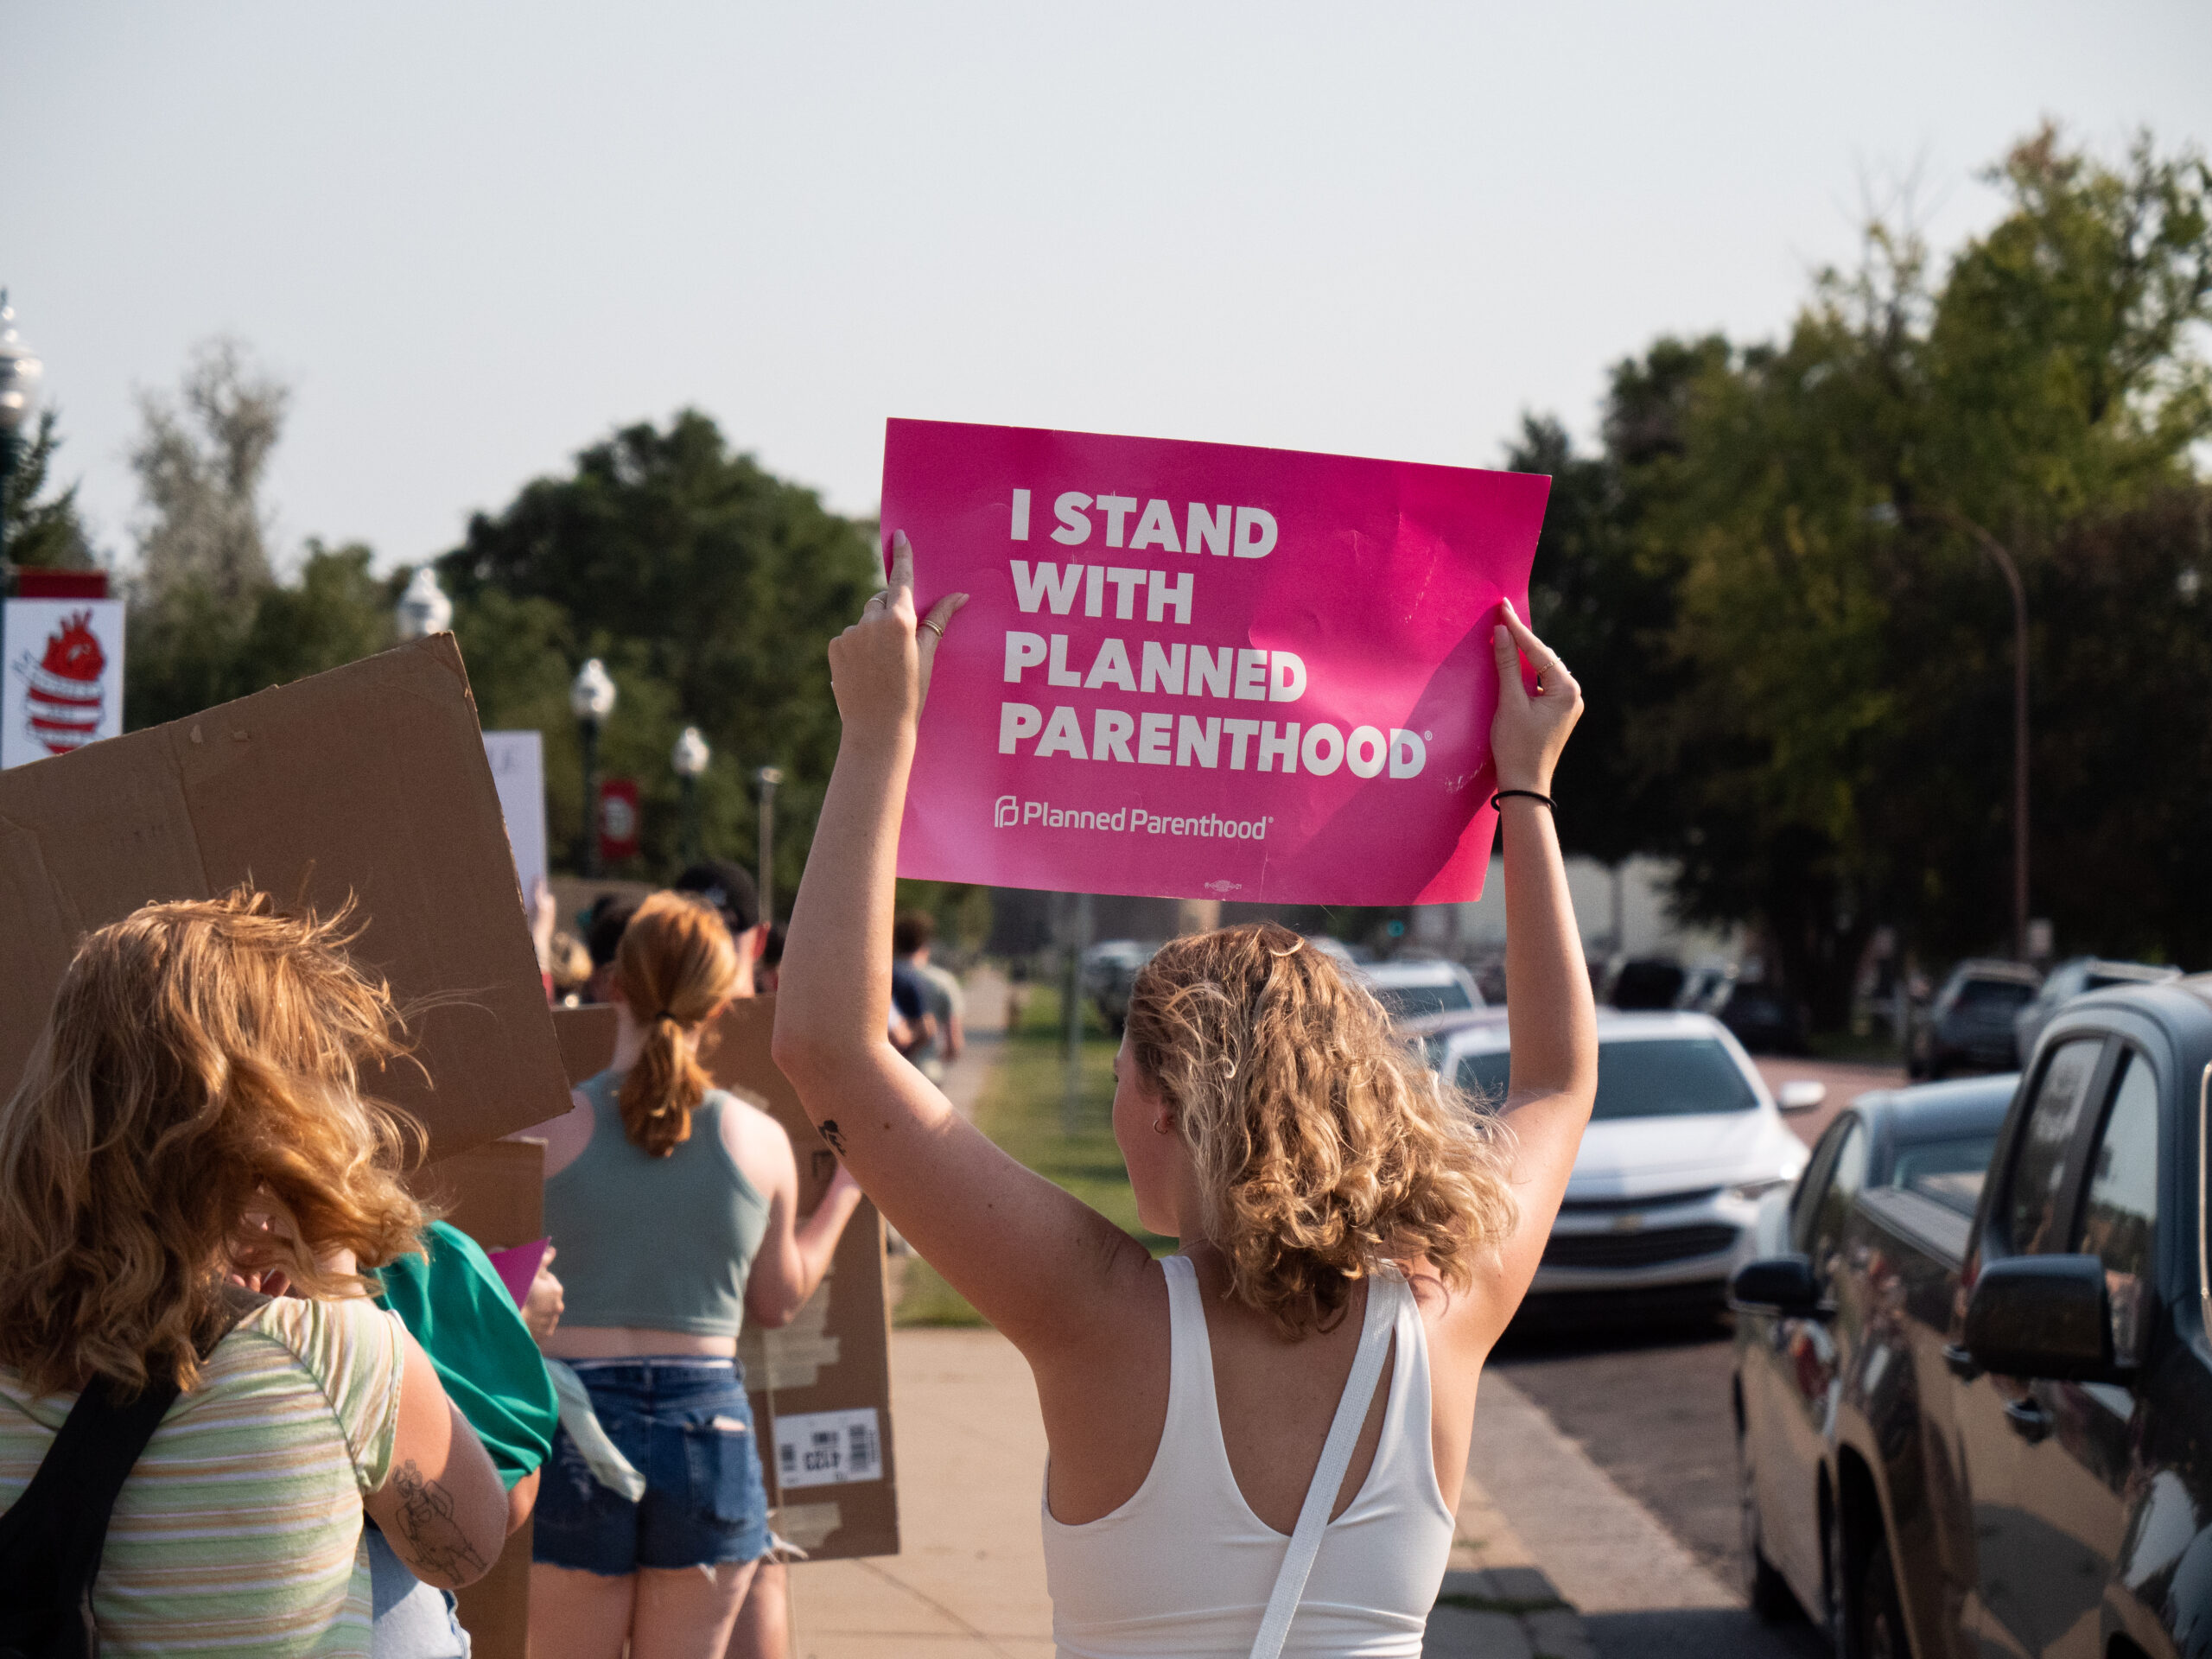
(794,1254)
(1024,1253)
(1549,1012)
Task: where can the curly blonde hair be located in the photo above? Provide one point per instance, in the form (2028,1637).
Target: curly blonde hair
(1324,1148)
(200,1059)
(677,965)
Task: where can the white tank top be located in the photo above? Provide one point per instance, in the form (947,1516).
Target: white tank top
(1185,1568)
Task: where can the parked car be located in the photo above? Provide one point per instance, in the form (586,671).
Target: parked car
(2076,978)
(1684,1141)
(1413,989)
(1968,1025)
(1705,985)
(1764,1018)
(1645,982)
(1974,1413)
(1110,972)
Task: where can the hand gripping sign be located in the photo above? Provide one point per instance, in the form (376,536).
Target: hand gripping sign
(1201,672)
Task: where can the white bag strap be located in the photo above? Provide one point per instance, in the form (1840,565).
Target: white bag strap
(1328,1473)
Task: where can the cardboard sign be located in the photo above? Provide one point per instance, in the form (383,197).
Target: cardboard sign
(495,1193)
(517,762)
(367,783)
(821,1385)
(1200,671)
(63,677)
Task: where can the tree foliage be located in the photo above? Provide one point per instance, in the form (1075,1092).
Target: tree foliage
(1821,672)
(201,459)
(710,588)
(45,534)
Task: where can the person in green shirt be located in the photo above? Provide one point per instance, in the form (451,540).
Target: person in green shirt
(453,1300)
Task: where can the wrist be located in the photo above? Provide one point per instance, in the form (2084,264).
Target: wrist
(1539,783)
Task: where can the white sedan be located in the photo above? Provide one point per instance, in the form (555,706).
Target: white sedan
(1683,1143)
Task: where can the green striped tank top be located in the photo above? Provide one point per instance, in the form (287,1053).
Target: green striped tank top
(240,1530)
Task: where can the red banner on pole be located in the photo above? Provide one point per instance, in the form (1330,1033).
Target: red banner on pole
(618,819)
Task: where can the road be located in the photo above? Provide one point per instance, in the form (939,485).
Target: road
(1648,1403)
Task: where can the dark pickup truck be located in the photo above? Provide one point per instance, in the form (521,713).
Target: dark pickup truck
(1975,1409)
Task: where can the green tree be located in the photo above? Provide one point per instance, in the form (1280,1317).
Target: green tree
(710,589)
(1843,734)
(196,649)
(46,534)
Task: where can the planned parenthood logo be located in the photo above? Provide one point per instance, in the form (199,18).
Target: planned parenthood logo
(1009,812)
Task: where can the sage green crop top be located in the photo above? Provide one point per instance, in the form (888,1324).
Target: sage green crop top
(662,1244)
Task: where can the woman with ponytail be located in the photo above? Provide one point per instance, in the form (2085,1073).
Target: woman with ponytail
(675,1207)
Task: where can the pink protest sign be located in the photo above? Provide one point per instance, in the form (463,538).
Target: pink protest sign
(1203,671)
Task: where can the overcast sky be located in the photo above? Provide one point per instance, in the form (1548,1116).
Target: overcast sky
(473,239)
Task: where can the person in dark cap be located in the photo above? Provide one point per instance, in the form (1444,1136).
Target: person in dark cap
(729,888)
(603,938)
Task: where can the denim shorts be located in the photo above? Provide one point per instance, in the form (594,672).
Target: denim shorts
(687,1426)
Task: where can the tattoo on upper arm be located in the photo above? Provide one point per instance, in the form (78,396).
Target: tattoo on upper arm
(834,1136)
(435,1540)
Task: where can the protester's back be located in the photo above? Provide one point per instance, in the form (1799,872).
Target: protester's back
(206,1054)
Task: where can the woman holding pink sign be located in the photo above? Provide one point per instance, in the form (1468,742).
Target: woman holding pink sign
(1257,1444)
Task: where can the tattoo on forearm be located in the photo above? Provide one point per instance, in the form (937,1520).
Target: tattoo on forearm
(834,1136)
(436,1543)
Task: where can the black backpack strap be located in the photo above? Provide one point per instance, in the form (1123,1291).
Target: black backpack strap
(51,1539)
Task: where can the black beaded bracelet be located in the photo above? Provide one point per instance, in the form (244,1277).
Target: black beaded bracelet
(1526,794)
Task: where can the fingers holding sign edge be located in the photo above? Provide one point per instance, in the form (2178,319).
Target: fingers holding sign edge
(1542,656)
(929,631)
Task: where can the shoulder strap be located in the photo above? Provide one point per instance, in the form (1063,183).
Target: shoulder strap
(1328,1473)
(55,1532)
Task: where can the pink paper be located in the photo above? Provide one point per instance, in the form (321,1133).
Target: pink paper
(518,1268)
(1203,671)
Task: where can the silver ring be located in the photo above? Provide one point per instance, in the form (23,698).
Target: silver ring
(881,596)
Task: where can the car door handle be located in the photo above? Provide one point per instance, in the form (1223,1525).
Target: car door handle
(2028,1419)
(1961,1363)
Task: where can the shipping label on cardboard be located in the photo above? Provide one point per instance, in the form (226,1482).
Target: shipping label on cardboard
(1203,671)
(828,1448)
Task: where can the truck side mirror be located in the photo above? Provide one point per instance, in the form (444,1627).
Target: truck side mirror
(1802,1094)
(1776,1284)
(2042,1316)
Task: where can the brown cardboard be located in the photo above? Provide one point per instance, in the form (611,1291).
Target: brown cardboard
(495,1193)
(835,1353)
(367,782)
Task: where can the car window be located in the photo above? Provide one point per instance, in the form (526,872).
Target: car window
(1805,1201)
(1846,1179)
(1668,1076)
(2121,1213)
(1484,1075)
(1993,996)
(1409,1001)
(2040,1166)
(1950,1171)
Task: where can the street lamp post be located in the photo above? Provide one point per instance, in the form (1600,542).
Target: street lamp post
(2011,571)
(423,609)
(768,777)
(591,699)
(20,370)
(690,758)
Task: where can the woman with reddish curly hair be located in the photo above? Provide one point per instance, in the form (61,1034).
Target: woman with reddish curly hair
(191,1121)
(1257,1444)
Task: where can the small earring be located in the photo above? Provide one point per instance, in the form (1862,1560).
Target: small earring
(1160,1124)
